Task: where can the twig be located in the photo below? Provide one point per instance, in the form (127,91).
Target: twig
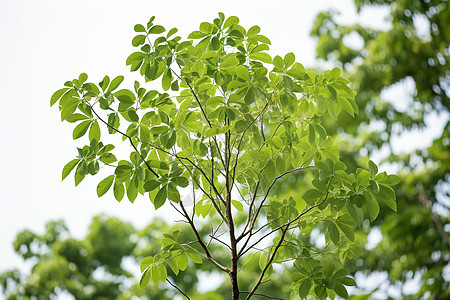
(178,289)
(124,134)
(263,295)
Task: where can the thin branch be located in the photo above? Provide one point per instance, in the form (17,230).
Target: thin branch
(222,242)
(283,234)
(243,251)
(124,134)
(201,242)
(262,295)
(178,289)
(267,194)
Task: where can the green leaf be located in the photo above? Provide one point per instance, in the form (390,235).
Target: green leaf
(304,288)
(173,265)
(146,262)
(312,195)
(340,290)
(230,21)
(347,281)
(278,62)
(238,205)
(125,96)
(81,129)
(104,185)
(334,74)
(123,171)
(196,35)
(151,185)
(261,38)
(182,261)
(372,205)
(206,27)
(347,229)
(173,193)
(167,79)
(157,29)
(115,83)
(55,97)
(119,191)
(261,56)
(160,197)
(242,73)
(159,129)
(132,189)
(334,232)
(289,59)
(373,169)
(69,167)
(94,132)
(387,195)
(345,104)
(392,179)
(139,28)
(145,278)
(162,273)
(181,181)
(194,256)
(76,117)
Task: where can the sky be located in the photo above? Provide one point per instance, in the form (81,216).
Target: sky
(44,43)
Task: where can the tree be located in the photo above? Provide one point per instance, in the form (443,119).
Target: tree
(231,123)
(415,50)
(83,268)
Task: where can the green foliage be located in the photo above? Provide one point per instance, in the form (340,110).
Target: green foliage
(231,120)
(414,49)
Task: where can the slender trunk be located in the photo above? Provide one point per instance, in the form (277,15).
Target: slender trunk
(233,242)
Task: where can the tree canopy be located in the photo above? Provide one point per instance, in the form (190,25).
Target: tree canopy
(234,124)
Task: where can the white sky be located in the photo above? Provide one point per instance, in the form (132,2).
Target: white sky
(44,43)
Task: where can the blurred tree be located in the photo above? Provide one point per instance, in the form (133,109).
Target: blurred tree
(414,51)
(95,266)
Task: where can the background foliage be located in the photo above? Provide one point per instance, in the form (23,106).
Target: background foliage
(414,51)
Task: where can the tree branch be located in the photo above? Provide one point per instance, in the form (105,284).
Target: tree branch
(262,295)
(202,244)
(178,289)
(124,134)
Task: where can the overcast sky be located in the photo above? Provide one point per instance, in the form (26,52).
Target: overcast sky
(44,43)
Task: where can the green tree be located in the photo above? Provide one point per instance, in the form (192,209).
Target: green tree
(61,264)
(415,49)
(231,123)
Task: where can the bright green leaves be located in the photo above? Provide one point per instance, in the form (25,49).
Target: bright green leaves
(386,195)
(81,129)
(160,197)
(173,254)
(321,279)
(125,97)
(157,29)
(87,161)
(313,196)
(373,208)
(69,167)
(57,95)
(232,20)
(115,83)
(152,270)
(304,288)
(377,189)
(242,73)
(105,185)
